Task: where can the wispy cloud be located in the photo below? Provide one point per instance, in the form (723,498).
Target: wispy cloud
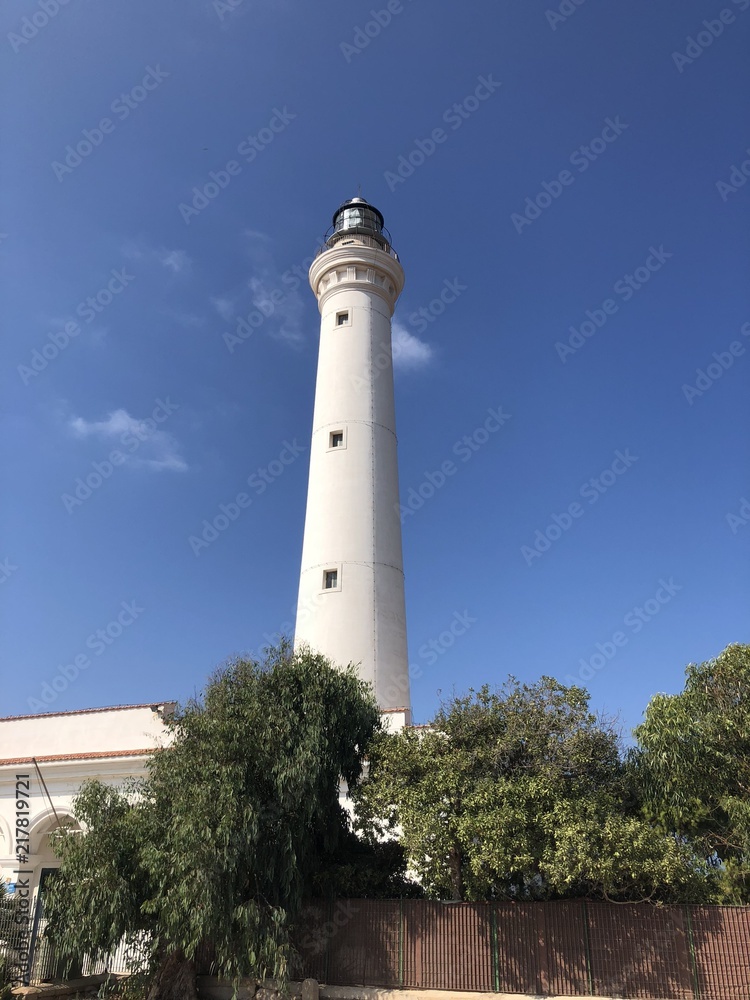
(183,318)
(98,335)
(224,306)
(142,443)
(177,261)
(95,335)
(409,352)
(258,245)
(266,291)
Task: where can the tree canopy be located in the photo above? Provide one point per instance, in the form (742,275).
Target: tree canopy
(693,764)
(519,792)
(236,818)
(522,793)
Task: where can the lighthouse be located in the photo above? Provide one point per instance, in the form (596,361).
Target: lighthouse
(351,602)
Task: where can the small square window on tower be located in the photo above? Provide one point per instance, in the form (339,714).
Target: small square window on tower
(330,579)
(342,318)
(336,439)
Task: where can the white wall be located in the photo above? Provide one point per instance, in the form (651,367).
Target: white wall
(131,728)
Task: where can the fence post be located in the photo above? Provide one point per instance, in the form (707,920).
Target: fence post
(691,946)
(419,924)
(495,956)
(587,947)
(327,940)
(401,941)
(542,953)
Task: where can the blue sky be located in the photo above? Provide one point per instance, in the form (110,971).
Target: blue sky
(580,147)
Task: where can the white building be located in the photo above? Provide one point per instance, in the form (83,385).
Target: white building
(44,759)
(351,595)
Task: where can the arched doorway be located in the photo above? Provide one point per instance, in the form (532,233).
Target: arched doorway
(43,963)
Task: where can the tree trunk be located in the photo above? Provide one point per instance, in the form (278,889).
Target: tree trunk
(174,979)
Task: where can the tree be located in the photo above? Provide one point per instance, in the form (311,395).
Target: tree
(693,763)
(366,869)
(217,847)
(520,793)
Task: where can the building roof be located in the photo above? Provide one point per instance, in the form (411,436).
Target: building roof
(87,711)
(164,707)
(91,755)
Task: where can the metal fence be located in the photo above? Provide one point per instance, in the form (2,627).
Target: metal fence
(31,958)
(571,948)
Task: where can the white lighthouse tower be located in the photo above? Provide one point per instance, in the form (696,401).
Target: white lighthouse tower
(351,595)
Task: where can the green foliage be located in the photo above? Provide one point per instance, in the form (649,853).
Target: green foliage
(521,793)
(222,840)
(514,793)
(362,869)
(598,849)
(6,988)
(693,764)
(135,986)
